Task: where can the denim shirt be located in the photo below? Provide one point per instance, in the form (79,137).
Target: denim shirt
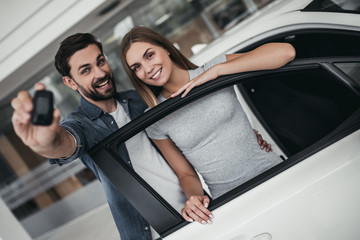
(89,125)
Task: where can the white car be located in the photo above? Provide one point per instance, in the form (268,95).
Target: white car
(309,110)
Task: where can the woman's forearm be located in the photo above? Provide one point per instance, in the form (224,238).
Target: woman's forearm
(191,186)
(188,178)
(267,56)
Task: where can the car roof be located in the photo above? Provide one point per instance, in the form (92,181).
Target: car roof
(278,17)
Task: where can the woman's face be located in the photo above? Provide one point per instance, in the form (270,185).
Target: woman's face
(150,63)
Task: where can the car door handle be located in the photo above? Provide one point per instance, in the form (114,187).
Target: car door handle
(262,236)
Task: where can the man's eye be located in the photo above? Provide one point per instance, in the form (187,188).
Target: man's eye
(85,70)
(101,62)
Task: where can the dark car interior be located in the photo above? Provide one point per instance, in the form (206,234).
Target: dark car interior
(304,106)
(301,106)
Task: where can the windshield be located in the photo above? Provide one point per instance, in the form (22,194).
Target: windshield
(349,6)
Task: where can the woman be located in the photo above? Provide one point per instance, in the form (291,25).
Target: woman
(214,138)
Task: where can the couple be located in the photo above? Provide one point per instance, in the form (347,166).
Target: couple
(157,71)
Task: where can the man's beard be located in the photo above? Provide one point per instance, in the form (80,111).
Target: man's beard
(94,95)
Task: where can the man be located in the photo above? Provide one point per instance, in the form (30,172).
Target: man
(81,62)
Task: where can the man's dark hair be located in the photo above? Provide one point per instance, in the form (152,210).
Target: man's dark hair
(69,46)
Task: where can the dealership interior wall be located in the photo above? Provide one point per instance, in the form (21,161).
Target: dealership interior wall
(37,198)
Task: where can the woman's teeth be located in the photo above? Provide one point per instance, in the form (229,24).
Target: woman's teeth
(156,74)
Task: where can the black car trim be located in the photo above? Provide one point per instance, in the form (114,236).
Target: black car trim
(145,199)
(346,79)
(112,161)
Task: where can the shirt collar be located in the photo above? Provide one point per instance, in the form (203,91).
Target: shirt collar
(93,111)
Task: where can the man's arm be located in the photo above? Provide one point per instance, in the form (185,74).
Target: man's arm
(51,141)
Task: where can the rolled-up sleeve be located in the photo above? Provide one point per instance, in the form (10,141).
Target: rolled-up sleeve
(74,129)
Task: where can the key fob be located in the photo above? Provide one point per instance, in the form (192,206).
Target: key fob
(42,113)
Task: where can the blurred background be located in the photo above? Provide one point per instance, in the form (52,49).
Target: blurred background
(37,199)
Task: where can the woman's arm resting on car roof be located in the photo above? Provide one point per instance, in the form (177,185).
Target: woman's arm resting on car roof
(265,57)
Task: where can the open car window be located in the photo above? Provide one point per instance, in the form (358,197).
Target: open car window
(304,106)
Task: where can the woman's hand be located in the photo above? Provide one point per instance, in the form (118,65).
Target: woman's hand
(206,76)
(263,143)
(196,209)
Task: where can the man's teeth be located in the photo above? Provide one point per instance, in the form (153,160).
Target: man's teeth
(103,83)
(156,75)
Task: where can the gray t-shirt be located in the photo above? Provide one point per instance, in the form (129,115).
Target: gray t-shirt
(216,137)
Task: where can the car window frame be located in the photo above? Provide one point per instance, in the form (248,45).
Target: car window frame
(167,220)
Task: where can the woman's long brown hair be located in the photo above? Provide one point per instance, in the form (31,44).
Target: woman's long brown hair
(143,34)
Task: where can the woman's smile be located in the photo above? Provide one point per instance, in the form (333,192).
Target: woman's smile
(156,76)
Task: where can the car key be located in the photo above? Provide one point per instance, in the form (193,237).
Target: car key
(42,113)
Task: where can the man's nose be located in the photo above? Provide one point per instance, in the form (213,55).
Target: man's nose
(99,72)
